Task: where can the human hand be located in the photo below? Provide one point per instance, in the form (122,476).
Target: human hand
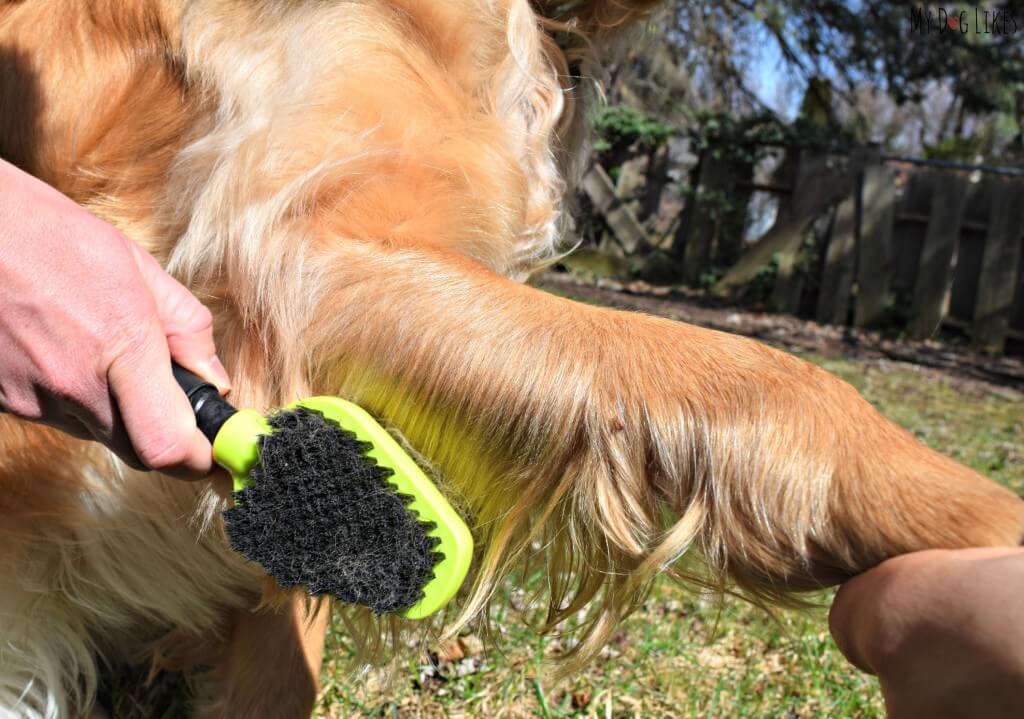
(89,323)
(942,629)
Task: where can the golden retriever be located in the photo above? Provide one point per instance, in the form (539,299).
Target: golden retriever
(357,188)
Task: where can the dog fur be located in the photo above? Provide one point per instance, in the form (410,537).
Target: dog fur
(357,190)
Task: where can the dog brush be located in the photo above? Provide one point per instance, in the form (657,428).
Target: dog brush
(327,500)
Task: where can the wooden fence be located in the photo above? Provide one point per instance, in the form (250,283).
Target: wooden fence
(905,242)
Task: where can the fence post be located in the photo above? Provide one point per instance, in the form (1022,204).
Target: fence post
(840,256)
(934,268)
(731,224)
(696,232)
(874,257)
(997,280)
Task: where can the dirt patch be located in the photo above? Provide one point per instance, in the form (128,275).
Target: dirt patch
(958,365)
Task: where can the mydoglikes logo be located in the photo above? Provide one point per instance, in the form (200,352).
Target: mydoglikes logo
(930,20)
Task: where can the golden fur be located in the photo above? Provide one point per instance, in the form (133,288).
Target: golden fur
(352,188)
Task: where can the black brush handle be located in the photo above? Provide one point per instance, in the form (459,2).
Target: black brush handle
(211,410)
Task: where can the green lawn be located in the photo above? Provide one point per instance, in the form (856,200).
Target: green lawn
(683,655)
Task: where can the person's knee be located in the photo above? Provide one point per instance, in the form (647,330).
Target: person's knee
(877,617)
(941,630)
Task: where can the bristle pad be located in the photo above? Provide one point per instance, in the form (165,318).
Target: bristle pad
(321,514)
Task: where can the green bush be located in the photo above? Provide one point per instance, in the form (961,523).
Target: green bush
(619,126)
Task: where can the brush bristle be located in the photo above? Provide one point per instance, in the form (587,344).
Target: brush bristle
(321,514)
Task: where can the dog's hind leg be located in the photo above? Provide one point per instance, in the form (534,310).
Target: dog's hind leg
(270,666)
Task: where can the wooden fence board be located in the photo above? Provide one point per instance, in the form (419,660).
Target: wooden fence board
(838,269)
(840,256)
(1017,313)
(789,286)
(999,266)
(934,268)
(967,273)
(732,223)
(696,234)
(970,247)
(909,230)
(623,223)
(874,260)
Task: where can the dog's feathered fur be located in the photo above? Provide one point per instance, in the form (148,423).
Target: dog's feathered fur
(348,186)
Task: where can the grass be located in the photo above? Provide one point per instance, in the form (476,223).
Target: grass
(682,655)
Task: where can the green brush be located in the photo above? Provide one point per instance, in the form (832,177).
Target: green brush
(326,499)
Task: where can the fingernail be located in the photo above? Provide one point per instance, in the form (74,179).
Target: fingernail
(220,375)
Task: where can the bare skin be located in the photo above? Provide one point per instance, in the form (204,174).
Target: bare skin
(942,629)
(89,323)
